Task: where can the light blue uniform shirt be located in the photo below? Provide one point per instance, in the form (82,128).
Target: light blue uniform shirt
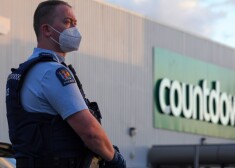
(43,91)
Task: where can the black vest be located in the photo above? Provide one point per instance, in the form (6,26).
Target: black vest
(37,134)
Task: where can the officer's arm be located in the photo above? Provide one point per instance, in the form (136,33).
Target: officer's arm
(92,134)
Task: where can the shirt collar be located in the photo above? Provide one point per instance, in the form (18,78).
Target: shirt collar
(37,51)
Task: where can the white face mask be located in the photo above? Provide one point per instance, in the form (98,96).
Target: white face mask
(69,39)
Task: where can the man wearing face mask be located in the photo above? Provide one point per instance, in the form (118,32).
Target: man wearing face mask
(50,124)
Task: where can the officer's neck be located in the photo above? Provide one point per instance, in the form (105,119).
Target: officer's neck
(47,47)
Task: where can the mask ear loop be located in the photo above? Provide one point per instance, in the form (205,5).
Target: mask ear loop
(52,37)
(55,41)
(54,29)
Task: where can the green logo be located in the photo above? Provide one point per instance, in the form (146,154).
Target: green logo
(193,96)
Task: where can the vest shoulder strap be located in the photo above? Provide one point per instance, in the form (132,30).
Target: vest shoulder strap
(24,68)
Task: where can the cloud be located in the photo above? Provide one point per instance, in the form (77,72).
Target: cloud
(188,4)
(188,15)
(223,25)
(140,1)
(202,17)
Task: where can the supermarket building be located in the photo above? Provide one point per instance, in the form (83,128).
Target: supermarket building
(160,89)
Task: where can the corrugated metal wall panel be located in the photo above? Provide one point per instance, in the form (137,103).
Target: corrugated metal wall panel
(114,64)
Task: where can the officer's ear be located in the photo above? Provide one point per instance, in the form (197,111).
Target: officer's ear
(45,30)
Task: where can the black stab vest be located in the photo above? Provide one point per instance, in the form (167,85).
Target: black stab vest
(37,135)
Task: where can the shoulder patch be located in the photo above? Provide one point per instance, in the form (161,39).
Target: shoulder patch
(64,76)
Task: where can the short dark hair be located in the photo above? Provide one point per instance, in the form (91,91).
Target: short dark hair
(44,13)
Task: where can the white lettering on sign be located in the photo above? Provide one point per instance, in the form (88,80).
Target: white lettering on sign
(196,102)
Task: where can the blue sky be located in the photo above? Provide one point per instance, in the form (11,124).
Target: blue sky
(213,19)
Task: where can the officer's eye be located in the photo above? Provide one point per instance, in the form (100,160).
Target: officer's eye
(70,22)
(67,22)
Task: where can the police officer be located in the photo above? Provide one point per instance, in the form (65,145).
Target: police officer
(50,125)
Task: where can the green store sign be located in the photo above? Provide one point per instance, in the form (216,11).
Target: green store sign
(193,96)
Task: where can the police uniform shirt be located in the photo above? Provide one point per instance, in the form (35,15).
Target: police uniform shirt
(50,87)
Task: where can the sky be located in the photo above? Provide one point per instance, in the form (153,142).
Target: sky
(212,19)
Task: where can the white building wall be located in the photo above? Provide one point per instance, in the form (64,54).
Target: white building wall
(114,64)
